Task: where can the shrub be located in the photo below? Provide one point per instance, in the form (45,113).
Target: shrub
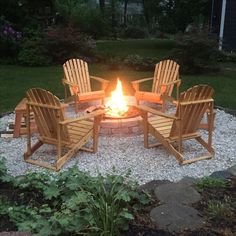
(9,41)
(227,57)
(135,32)
(139,63)
(33,51)
(196,54)
(65,43)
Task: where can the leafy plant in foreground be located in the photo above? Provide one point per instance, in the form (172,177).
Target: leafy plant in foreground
(71,203)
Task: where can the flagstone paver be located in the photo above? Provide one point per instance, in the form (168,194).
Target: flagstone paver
(188,180)
(151,185)
(176,217)
(224,174)
(232,170)
(177,192)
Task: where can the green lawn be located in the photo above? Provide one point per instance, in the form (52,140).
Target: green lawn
(15,80)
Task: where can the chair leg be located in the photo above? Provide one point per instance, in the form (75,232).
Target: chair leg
(32,150)
(76,105)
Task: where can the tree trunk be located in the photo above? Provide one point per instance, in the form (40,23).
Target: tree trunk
(125,11)
(146,14)
(102,5)
(113,17)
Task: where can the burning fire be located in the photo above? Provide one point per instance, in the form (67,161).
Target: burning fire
(116,106)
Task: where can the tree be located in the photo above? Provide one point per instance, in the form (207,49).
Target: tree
(102,6)
(152,11)
(125,11)
(178,14)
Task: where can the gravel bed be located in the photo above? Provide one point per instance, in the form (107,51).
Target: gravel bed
(121,154)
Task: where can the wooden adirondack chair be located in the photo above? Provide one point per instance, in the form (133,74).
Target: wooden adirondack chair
(55,129)
(166,75)
(76,76)
(168,129)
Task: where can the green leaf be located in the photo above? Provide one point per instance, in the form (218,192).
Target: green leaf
(51,191)
(7,178)
(124,195)
(127,215)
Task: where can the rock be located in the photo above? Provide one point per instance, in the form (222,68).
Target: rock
(221,174)
(188,180)
(175,217)
(151,185)
(232,170)
(177,192)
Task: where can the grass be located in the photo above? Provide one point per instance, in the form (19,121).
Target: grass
(15,80)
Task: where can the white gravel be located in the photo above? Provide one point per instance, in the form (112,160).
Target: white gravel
(128,153)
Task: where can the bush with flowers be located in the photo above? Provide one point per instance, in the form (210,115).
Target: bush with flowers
(9,41)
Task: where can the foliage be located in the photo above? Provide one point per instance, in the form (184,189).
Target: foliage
(9,40)
(141,63)
(65,43)
(196,53)
(135,32)
(84,16)
(27,13)
(71,203)
(210,182)
(218,211)
(91,21)
(175,15)
(227,57)
(33,51)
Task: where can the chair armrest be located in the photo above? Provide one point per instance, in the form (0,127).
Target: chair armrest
(141,80)
(84,117)
(155,112)
(101,80)
(136,83)
(64,81)
(178,82)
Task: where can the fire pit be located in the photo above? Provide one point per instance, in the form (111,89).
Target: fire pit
(121,117)
(130,113)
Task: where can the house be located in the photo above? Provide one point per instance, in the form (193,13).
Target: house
(223,23)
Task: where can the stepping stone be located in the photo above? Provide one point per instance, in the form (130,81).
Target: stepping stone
(221,174)
(232,170)
(151,185)
(188,180)
(175,217)
(177,192)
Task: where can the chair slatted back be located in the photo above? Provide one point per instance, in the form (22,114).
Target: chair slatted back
(76,72)
(165,71)
(48,113)
(192,105)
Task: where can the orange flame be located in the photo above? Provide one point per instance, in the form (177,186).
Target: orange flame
(117,105)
